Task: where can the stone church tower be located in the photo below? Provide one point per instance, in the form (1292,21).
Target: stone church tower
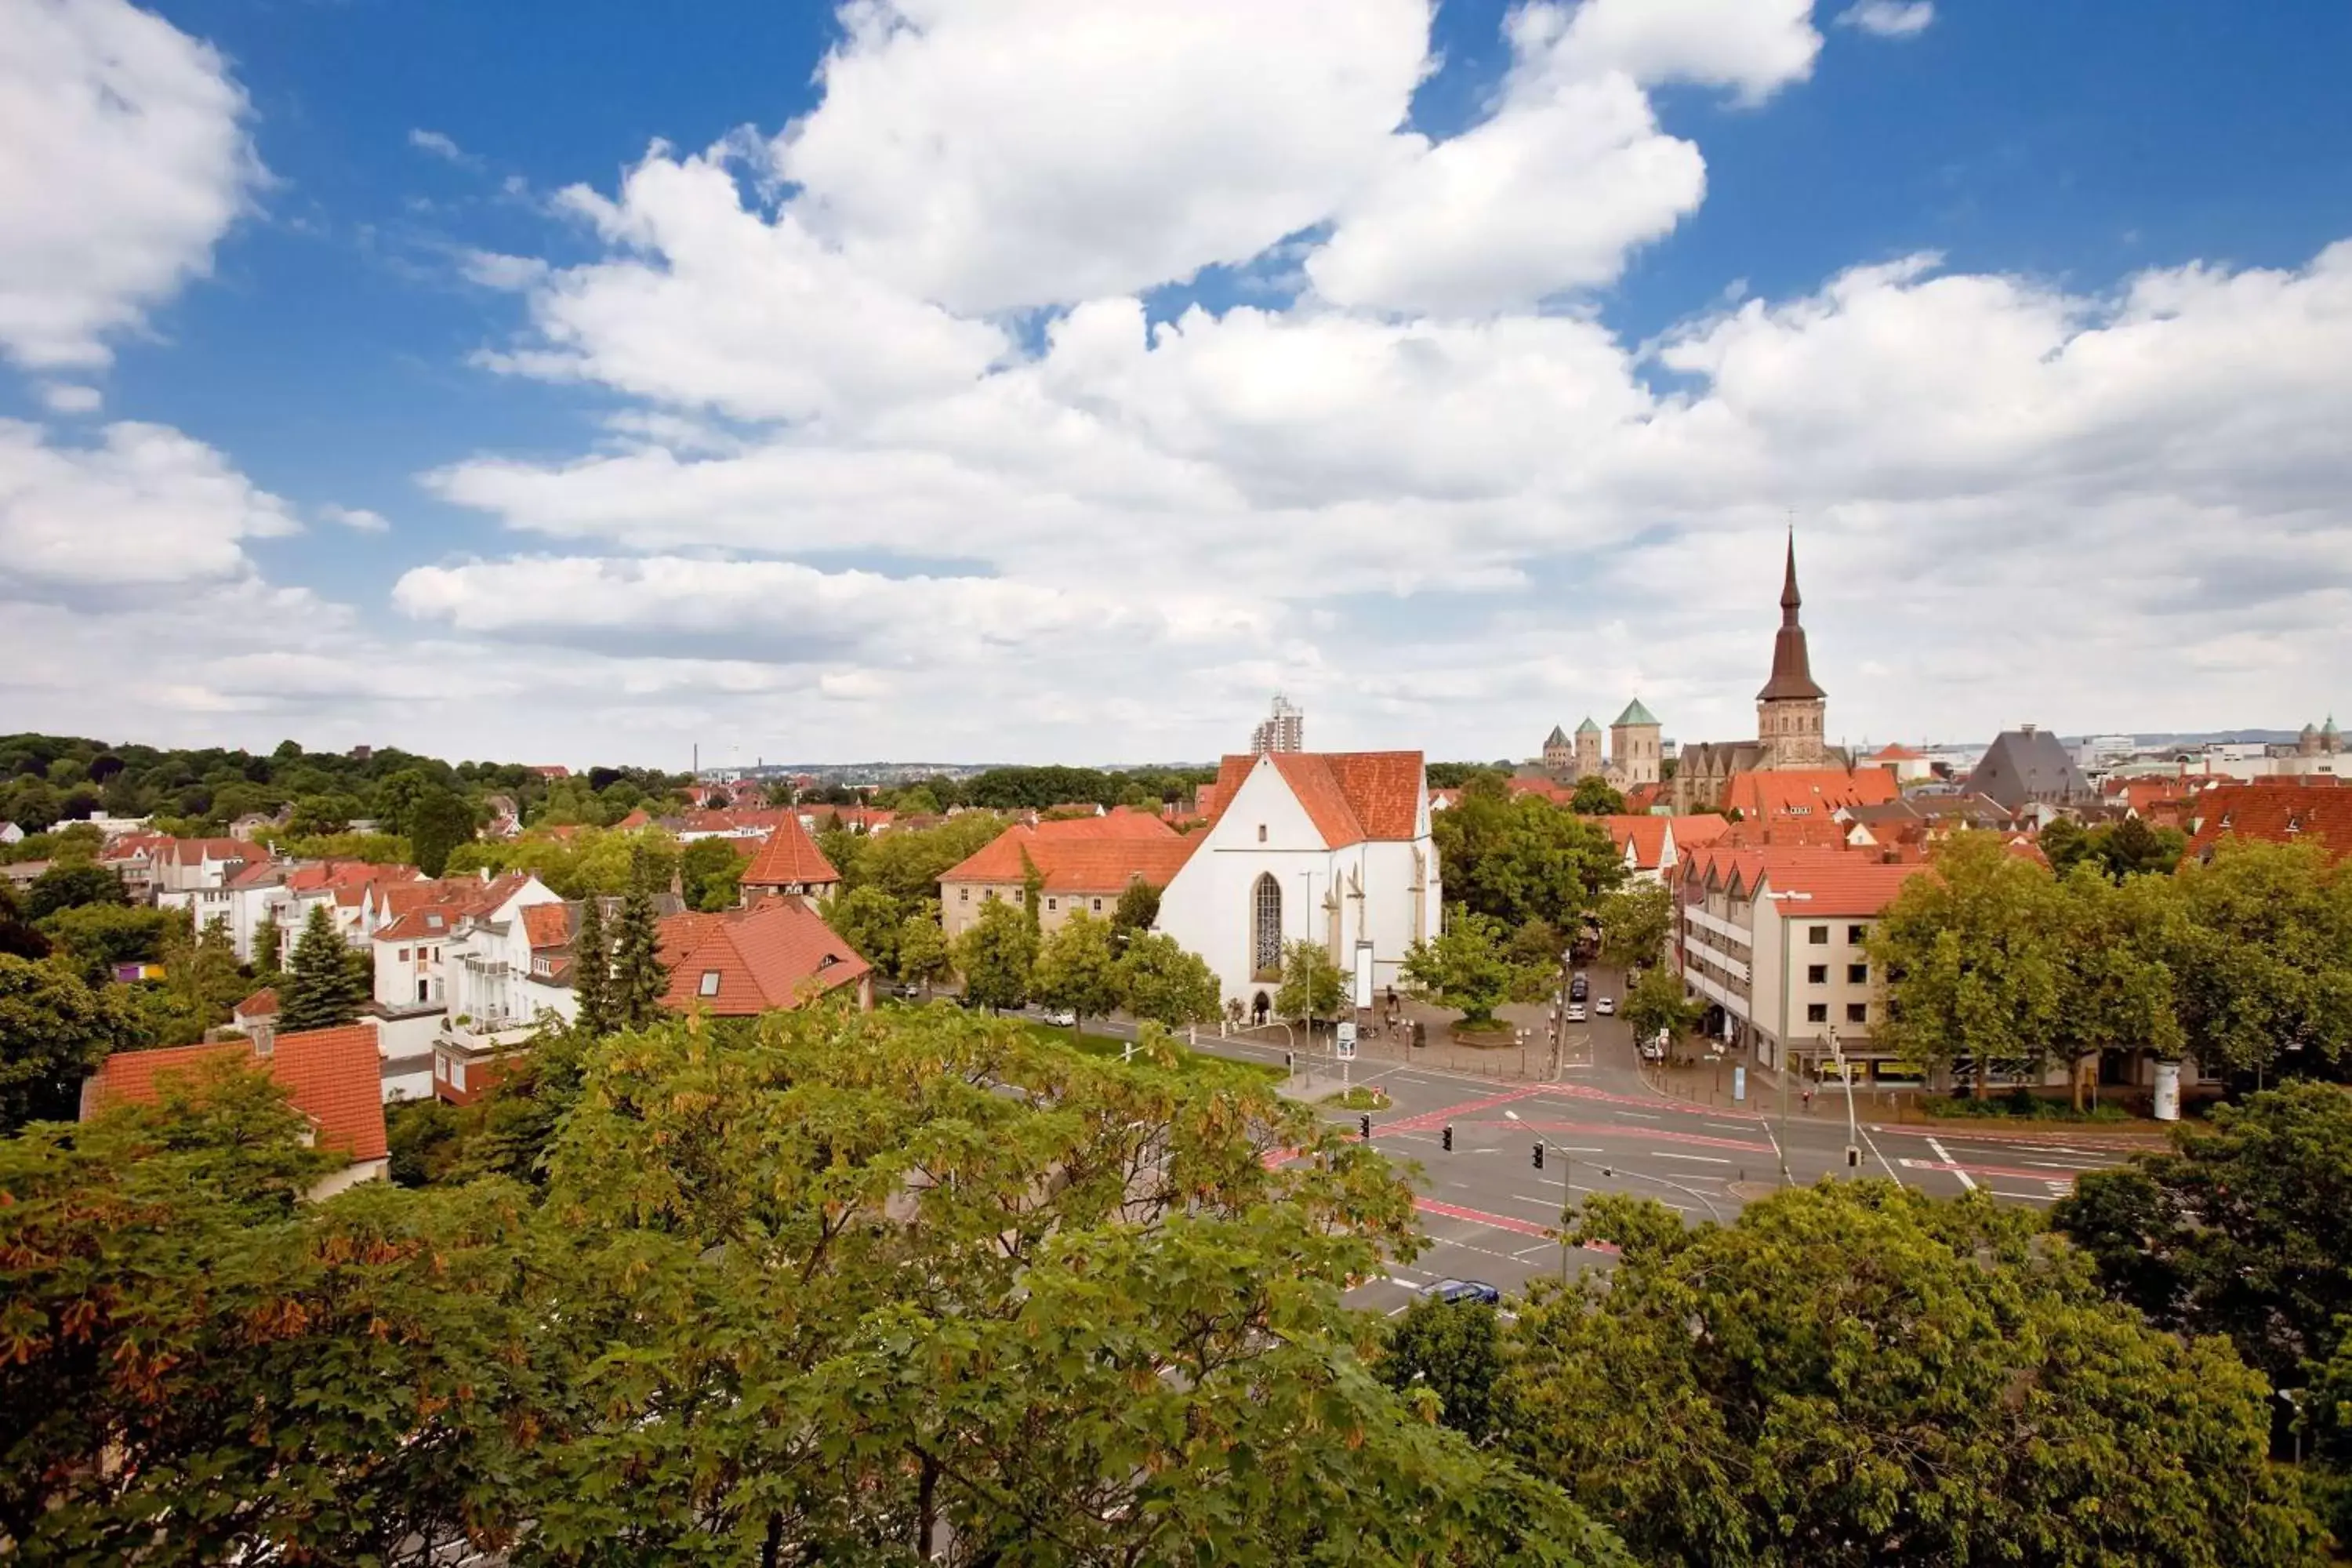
(1791,710)
(1587,749)
(1634,747)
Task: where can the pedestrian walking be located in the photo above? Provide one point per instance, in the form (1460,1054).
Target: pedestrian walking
(1809,1095)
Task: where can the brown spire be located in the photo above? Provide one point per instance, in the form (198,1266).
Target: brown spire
(1792,674)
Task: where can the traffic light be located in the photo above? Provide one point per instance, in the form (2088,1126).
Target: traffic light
(1288,1065)
(1364,1126)
(1448,1137)
(1539,1156)
(1853,1157)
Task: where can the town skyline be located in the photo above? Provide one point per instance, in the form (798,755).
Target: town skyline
(376,376)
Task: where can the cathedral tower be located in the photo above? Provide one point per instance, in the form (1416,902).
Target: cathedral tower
(1791,710)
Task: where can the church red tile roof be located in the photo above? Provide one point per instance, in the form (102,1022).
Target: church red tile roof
(1350,796)
(2276,812)
(772,955)
(789,857)
(334,1076)
(1809,792)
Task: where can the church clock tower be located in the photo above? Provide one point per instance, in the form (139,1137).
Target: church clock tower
(1791,710)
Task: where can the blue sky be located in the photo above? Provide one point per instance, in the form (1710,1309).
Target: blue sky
(1455,426)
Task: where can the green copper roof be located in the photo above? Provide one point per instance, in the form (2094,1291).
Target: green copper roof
(1635,714)
(1588,727)
(2328,727)
(1559,737)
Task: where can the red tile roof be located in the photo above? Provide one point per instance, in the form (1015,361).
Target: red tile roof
(1809,792)
(1837,883)
(1647,834)
(1350,796)
(334,1076)
(1697,828)
(771,955)
(789,857)
(2274,811)
(262,1004)
(196,852)
(1897,753)
(1551,790)
(1083,854)
(547,925)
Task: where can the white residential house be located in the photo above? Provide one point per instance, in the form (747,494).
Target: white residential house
(245,903)
(506,963)
(11,834)
(1329,846)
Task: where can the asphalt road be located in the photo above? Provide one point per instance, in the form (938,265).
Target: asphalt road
(1490,1214)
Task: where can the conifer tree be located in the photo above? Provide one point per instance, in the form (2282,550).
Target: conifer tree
(637,978)
(269,947)
(592,971)
(322,988)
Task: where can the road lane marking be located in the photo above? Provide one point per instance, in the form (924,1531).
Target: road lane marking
(2026,1197)
(1966,1180)
(1702,1159)
(1730,1126)
(1639,1115)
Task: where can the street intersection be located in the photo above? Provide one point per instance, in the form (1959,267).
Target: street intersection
(1491,1213)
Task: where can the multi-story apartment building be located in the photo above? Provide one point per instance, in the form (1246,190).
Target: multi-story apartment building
(1773,941)
(1283,730)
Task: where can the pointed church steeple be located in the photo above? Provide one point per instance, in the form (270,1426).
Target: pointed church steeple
(1792,673)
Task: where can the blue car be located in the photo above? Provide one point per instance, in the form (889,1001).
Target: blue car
(1452,1290)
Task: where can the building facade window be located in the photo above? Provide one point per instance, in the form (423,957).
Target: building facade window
(1857,1012)
(1857,973)
(1817,1013)
(1819,936)
(1265,927)
(963,895)
(1098,906)
(1053,903)
(1817,975)
(1261,833)
(1855,934)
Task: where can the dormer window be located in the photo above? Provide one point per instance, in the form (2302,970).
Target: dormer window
(709,986)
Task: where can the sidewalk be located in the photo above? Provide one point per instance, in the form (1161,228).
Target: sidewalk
(1378,1050)
(1703,1082)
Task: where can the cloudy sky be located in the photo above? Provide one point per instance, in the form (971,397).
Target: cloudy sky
(1048,380)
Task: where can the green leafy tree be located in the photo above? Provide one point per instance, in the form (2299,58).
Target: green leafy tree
(2064,844)
(70,886)
(1033,893)
(1655,1004)
(711,873)
(1452,1349)
(908,865)
(1077,968)
(1313,988)
(350,1383)
(638,979)
(1596,796)
(869,919)
(1856,1374)
(2118,993)
(1523,859)
(1138,906)
(1467,966)
(201,972)
(594,1014)
(54,1031)
(94,938)
(1109,1371)
(268,949)
(923,951)
(321,989)
(1973,961)
(996,955)
(317,815)
(2244,1229)
(17,937)
(436,823)
(1160,980)
(1636,920)
(2262,968)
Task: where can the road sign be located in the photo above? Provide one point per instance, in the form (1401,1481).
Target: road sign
(1738,1084)
(1348,1041)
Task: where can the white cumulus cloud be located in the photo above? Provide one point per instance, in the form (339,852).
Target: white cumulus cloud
(1889,18)
(124,157)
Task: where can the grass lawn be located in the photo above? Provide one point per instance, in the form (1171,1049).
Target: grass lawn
(1360,1098)
(1106,1045)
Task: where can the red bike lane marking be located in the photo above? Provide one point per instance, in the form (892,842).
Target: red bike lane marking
(1480,1217)
(1613,1129)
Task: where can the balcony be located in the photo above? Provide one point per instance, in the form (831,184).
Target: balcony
(1721,959)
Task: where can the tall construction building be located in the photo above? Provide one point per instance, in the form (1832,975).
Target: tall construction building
(1283,730)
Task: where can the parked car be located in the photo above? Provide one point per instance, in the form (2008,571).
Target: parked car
(1654,1049)
(1578,990)
(1452,1290)
(1576,1012)
(1606,1006)
(1062,1017)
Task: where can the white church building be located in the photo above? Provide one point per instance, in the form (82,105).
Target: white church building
(1332,847)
